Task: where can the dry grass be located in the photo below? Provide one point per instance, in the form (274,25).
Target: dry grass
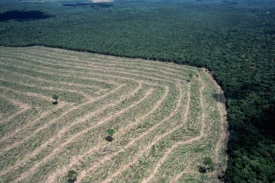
(165,116)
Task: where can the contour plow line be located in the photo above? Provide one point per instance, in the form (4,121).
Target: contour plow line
(60,147)
(87,66)
(56,119)
(223,123)
(29,94)
(159,109)
(158,138)
(20,76)
(122,131)
(59,74)
(42,116)
(223,135)
(104,75)
(178,176)
(161,161)
(79,59)
(7,169)
(106,158)
(23,108)
(100,67)
(116,72)
(55,55)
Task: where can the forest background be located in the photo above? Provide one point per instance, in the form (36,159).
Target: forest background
(233,39)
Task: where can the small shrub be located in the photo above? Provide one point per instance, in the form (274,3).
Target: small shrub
(55,97)
(208,162)
(110,135)
(72,175)
(110,132)
(153,149)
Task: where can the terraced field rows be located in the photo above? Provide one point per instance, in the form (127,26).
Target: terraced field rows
(167,119)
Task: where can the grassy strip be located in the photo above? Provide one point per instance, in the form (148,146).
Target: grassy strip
(7,107)
(54,77)
(91,90)
(93,63)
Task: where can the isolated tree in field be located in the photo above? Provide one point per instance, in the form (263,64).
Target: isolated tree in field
(110,135)
(55,97)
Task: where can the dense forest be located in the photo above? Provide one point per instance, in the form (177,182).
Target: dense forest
(234,40)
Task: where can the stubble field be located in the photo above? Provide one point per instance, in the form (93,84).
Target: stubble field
(168,119)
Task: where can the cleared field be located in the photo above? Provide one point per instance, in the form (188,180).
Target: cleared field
(168,119)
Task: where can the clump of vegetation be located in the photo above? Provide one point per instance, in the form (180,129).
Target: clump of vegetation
(208,165)
(110,132)
(153,149)
(208,162)
(55,97)
(72,176)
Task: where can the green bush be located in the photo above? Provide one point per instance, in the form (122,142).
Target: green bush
(72,175)
(55,97)
(111,132)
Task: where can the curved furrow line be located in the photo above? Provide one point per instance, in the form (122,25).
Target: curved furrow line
(156,139)
(44,80)
(178,176)
(161,161)
(88,97)
(90,66)
(20,76)
(138,78)
(186,171)
(164,68)
(106,158)
(66,77)
(81,58)
(23,108)
(222,111)
(122,131)
(160,112)
(29,124)
(91,63)
(99,74)
(100,71)
(16,103)
(44,127)
(72,138)
(29,94)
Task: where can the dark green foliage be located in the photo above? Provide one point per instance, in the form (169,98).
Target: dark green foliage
(208,163)
(234,41)
(72,176)
(153,150)
(55,97)
(111,132)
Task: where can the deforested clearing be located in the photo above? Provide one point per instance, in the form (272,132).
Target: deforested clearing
(168,121)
